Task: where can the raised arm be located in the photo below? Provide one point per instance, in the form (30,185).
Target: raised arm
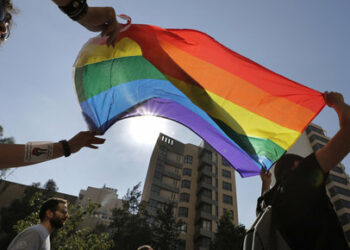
(17,155)
(339,146)
(265,176)
(93,18)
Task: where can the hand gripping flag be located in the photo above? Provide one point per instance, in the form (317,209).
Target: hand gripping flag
(247,113)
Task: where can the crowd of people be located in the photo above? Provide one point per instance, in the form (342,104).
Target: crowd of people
(302,210)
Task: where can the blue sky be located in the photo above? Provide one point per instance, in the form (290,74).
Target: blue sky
(306,41)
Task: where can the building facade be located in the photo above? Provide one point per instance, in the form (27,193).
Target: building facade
(107,198)
(338,185)
(198,181)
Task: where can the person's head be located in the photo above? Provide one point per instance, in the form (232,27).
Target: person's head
(286,164)
(5,19)
(145,247)
(55,211)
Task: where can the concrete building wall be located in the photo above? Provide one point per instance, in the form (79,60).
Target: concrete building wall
(191,177)
(107,198)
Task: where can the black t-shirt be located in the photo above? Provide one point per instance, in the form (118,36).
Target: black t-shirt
(302,210)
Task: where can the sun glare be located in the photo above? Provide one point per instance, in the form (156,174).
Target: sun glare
(145,129)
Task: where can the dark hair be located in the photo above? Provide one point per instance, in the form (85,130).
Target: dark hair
(50,204)
(285,164)
(7,5)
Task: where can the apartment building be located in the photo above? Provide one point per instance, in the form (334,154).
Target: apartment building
(107,198)
(198,181)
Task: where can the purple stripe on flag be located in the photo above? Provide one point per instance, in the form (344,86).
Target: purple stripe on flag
(169,109)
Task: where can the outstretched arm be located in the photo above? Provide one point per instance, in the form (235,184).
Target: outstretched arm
(13,155)
(265,176)
(98,19)
(339,146)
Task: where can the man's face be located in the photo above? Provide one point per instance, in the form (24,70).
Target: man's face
(59,216)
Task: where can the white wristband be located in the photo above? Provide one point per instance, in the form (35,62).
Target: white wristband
(38,151)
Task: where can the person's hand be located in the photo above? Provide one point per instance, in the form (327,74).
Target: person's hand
(265,176)
(84,139)
(102,19)
(336,100)
(333,99)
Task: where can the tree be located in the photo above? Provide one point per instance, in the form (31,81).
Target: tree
(4,140)
(69,236)
(130,228)
(166,229)
(228,236)
(19,209)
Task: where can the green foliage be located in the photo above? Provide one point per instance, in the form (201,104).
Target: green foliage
(25,213)
(72,237)
(166,229)
(18,210)
(228,236)
(130,228)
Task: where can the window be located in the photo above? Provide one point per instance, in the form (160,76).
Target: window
(226,173)
(206,225)
(225,162)
(338,190)
(206,208)
(310,128)
(337,169)
(227,186)
(155,189)
(227,199)
(182,228)
(316,137)
(207,155)
(344,219)
(207,168)
(339,204)
(183,212)
(188,159)
(206,179)
(185,197)
(158,175)
(187,171)
(163,151)
(160,164)
(153,203)
(186,184)
(338,179)
(206,193)
(317,146)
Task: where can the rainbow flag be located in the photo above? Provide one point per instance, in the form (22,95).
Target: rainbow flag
(247,113)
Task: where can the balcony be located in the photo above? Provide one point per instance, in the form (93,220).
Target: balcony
(204,199)
(165,186)
(201,232)
(203,215)
(203,173)
(169,174)
(173,163)
(203,184)
(161,199)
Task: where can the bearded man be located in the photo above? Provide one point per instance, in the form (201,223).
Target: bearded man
(53,214)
